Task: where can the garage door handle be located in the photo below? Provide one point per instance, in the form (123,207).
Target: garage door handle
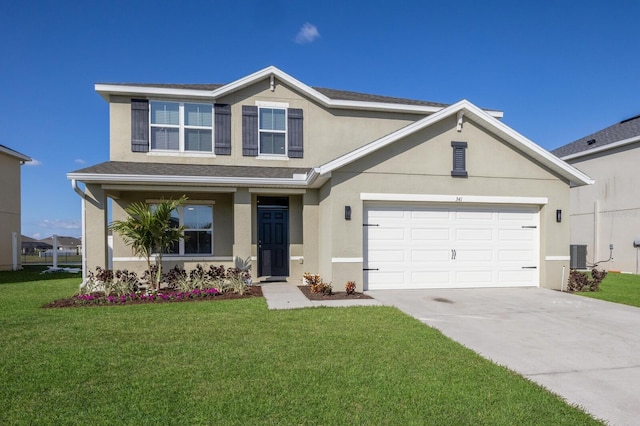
(370,224)
(454,254)
(370,269)
(529,267)
(529,227)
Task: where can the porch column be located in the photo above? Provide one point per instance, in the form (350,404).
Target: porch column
(310,231)
(242,224)
(95,246)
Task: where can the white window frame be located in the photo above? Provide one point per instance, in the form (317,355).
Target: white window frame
(182,127)
(274,105)
(181,245)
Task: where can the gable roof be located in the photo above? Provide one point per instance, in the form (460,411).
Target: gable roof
(330,98)
(622,133)
(15,154)
(467,109)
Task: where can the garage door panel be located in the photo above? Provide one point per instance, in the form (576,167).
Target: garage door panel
(474,278)
(421,255)
(516,255)
(428,279)
(387,234)
(477,255)
(522,277)
(385,280)
(397,255)
(430,215)
(474,234)
(430,234)
(517,234)
(475,215)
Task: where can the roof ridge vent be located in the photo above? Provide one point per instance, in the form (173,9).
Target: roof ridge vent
(591,141)
(629,119)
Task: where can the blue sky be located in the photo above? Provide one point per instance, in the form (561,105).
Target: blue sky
(558,69)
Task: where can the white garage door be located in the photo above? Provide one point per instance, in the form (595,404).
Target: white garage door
(450,246)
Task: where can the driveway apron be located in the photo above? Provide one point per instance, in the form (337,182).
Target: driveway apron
(585,350)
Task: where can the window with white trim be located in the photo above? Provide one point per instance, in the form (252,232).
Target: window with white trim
(181,126)
(198,230)
(273,131)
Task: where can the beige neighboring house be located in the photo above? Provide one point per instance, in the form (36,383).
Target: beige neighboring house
(605,217)
(10,213)
(65,244)
(390,193)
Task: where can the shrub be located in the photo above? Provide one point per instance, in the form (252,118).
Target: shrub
(350,288)
(110,283)
(580,281)
(316,284)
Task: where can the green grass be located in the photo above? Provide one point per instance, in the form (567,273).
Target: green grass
(236,362)
(619,288)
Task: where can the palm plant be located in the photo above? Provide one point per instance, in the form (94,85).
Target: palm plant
(148,230)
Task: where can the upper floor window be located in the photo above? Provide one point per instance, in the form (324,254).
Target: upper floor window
(273,131)
(181,126)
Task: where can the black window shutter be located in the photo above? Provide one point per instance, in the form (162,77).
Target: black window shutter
(294,130)
(249,130)
(139,125)
(222,129)
(459,159)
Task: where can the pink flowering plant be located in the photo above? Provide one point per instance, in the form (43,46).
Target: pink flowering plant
(140,296)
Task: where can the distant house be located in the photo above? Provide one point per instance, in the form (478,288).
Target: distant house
(66,244)
(10,211)
(605,217)
(388,192)
(32,246)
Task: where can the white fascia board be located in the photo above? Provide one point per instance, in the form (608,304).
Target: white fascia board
(14,154)
(106,89)
(482,118)
(453,199)
(602,148)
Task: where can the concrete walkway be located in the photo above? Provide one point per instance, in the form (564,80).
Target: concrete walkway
(288,296)
(585,350)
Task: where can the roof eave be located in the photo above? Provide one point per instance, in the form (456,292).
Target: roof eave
(105,90)
(15,154)
(601,148)
(303,180)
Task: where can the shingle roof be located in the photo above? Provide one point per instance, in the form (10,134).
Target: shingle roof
(623,130)
(191,170)
(334,94)
(14,153)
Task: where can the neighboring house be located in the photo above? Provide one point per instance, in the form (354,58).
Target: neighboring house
(66,244)
(605,217)
(387,192)
(33,246)
(10,210)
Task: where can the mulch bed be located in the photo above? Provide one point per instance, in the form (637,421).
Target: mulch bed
(253,291)
(338,295)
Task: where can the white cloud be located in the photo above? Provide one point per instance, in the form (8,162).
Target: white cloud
(60,224)
(80,161)
(307,34)
(33,162)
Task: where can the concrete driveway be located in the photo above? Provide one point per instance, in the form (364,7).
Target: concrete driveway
(585,350)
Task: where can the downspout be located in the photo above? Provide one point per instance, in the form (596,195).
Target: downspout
(74,185)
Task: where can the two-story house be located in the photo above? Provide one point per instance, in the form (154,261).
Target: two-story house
(605,217)
(10,208)
(387,192)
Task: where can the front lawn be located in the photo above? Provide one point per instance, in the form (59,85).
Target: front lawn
(236,362)
(619,288)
